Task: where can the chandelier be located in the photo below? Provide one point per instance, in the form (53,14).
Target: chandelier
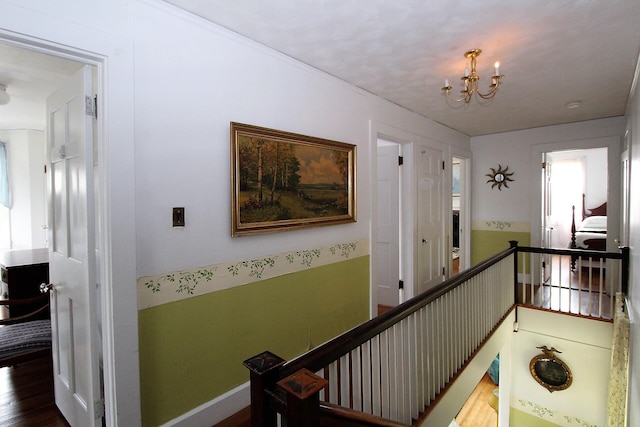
(470,81)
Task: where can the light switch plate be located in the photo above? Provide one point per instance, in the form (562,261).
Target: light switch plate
(178,217)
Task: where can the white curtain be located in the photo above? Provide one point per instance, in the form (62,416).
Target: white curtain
(567,186)
(619,372)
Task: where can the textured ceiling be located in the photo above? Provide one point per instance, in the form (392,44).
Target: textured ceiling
(30,77)
(551,52)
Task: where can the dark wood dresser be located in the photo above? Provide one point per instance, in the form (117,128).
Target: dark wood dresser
(22,273)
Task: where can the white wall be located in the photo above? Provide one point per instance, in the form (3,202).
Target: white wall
(585,346)
(25,158)
(178,81)
(182,141)
(520,150)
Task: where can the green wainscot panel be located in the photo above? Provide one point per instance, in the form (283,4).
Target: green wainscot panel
(487,243)
(191,351)
(522,419)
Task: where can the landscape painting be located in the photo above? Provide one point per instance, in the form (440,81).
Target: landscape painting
(284,181)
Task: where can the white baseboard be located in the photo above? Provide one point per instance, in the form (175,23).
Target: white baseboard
(214,411)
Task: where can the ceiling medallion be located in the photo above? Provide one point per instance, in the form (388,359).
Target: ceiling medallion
(550,371)
(470,81)
(499,177)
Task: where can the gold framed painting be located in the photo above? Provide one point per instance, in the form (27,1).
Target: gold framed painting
(286,181)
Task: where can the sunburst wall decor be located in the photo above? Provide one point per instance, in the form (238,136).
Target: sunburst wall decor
(499,177)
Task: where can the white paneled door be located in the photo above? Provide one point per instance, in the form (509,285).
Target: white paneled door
(70,114)
(388,226)
(430,259)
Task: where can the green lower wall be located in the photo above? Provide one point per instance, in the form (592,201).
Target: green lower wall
(522,419)
(191,351)
(487,243)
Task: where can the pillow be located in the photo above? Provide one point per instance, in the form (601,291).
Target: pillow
(594,223)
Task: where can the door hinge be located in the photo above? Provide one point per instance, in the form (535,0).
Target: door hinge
(401,284)
(45,168)
(443,165)
(544,165)
(98,406)
(400,160)
(443,271)
(91,106)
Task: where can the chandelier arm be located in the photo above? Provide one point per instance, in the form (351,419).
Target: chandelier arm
(466,97)
(494,88)
(488,95)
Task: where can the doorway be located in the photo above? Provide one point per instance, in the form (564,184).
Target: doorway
(574,180)
(41,73)
(389,256)
(39,29)
(460,219)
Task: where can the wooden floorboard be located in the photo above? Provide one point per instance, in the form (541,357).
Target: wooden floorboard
(476,412)
(240,419)
(26,395)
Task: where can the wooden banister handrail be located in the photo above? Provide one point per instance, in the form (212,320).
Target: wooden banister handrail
(572,252)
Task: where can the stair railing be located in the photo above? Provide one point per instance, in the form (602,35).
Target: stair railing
(391,368)
(573,281)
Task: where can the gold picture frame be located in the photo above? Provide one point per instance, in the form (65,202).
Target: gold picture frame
(285,181)
(550,371)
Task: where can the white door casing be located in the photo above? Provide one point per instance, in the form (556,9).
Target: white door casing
(71,261)
(625,167)
(431,243)
(547,225)
(388,225)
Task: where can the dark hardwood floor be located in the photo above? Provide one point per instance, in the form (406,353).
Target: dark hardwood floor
(26,396)
(240,419)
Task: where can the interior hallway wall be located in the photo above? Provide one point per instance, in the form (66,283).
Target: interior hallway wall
(513,213)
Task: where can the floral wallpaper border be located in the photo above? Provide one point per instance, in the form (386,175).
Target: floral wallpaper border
(492,225)
(546,414)
(179,285)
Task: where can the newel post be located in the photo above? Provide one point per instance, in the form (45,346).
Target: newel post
(514,244)
(303,398)
(263,373)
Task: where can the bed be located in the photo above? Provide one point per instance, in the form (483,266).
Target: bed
(591,232)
